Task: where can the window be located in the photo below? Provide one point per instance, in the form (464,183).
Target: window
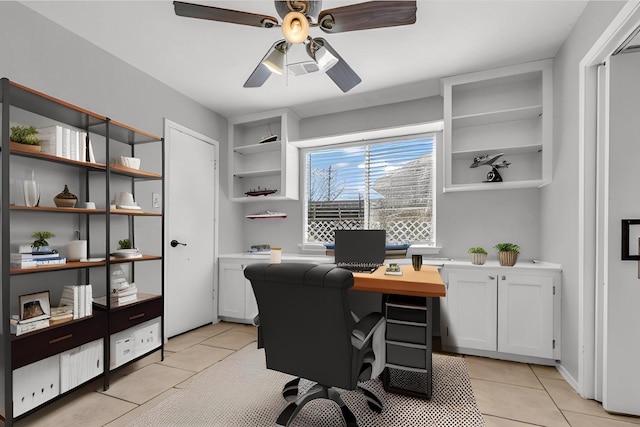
(377,185)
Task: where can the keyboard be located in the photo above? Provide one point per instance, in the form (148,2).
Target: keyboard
(358,267)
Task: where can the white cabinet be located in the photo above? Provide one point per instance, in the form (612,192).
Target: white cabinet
(526,315)
(472,308)
(256,162)
(504,111)
(502,312)
(236,301)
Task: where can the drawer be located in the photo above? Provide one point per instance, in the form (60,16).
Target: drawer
(133,314)
(412,357)
(43,343)
(406,333)
(406,313)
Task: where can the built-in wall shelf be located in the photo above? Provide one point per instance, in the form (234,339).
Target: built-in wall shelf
(271,164)
(504,111)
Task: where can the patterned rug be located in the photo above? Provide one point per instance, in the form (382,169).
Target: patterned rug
(240,392)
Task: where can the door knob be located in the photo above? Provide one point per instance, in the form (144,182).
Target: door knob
(175,243)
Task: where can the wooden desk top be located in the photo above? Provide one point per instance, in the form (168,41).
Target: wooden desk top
(424,283)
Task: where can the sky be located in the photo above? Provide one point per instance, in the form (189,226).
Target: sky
(348,165)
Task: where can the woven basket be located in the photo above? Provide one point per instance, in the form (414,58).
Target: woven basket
(478,259)
(507,258)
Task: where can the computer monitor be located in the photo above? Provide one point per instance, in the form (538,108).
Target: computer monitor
(364,248)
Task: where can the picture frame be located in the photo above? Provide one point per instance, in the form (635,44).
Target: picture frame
(35,306)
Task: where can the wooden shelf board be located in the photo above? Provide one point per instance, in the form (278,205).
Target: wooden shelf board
(133,212)
(135,173)
(57,209)
(77,264)
(61,160)
(101,302)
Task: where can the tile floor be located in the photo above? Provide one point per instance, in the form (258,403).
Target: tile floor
(508,394)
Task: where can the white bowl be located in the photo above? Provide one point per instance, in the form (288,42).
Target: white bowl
(130,162)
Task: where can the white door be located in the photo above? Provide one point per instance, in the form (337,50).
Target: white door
(191,192)
(525,315)
(471,310)
(621,300)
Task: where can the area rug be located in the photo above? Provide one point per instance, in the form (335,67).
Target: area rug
(240,392)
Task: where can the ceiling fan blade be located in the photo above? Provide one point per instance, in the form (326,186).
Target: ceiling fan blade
(368,15)
(261,72)
(341,73)
(191,10)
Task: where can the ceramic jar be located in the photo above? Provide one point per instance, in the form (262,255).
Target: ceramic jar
(65,199)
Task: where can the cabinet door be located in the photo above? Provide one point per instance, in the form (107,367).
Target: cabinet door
(526,314)
(471,310)
(232,291)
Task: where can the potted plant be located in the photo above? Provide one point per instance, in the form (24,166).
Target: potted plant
(124,244)
(41,244)
(478,255)
(24,138)
(507,253)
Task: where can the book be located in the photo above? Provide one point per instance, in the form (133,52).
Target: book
(51,140)
(37,262)
(71,297)
(19,328)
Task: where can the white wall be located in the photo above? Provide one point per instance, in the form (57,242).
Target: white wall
(559,203)
(44,56)
(464,219)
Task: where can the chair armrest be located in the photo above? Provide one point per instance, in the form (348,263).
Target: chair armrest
(365,328)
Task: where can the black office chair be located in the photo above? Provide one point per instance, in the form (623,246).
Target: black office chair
(308,330)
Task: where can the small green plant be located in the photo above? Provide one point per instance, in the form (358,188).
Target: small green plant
(477,251)
(24,135)
(124,244)
(42,237)
(507,247)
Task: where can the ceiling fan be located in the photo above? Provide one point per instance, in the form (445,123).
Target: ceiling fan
(297,17)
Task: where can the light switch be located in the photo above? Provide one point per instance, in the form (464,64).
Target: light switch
(155,200)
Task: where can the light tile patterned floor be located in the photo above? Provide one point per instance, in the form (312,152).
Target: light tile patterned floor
(508,394)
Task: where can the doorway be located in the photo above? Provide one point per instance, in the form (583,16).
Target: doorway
(609,88)
(191,189)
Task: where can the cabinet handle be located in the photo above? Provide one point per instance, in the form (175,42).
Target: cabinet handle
(55,340)
(504,277)
(136,316)
(492,277)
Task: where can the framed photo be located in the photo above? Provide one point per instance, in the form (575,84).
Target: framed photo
(35,306)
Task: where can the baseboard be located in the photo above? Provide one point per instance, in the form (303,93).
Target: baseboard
(569,379)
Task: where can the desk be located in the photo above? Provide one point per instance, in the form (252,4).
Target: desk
(407,306)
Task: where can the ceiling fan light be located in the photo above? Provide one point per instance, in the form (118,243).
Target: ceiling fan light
(325,59)
(295,27)
(275,61)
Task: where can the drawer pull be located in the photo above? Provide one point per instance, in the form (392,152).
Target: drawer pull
(137,316)
(66,337)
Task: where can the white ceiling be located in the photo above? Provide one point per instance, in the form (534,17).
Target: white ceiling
(210,61)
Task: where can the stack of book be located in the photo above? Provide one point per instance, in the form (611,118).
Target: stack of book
(19,327)
(27,260)
(65,142)
(79,298)
(61,314)
(124,294)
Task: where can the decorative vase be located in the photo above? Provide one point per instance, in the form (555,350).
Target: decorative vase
(507,258)
(478,258)
(25,148)
(65,199)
